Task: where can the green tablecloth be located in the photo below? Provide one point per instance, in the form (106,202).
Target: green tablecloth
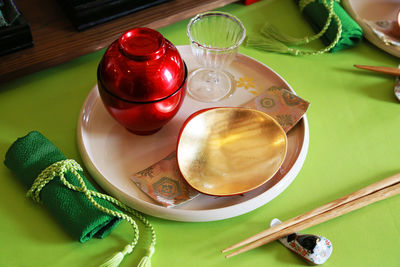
(354,120)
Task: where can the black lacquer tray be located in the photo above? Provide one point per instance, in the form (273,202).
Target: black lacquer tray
(15,32)
(87,13)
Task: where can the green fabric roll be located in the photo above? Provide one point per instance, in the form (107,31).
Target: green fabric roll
(316,13)
(28,157)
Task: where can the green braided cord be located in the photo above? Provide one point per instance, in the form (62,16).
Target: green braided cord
(327,23)
(61,167)
(130,210)
(334,42)
(56,169)
(271,31)
(275,41)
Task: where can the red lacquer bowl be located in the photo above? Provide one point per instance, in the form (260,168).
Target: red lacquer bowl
(142,80)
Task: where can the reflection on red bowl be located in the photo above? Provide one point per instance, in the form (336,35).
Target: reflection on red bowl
(142,80)
(143,118)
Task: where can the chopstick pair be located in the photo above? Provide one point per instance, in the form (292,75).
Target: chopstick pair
(385,70)
(378,191)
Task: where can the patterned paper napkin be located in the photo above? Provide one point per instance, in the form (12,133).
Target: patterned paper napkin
(163,181)
(281,104)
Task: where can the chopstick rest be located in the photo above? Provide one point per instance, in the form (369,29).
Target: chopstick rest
(397,88)
(312,248)
(59,184)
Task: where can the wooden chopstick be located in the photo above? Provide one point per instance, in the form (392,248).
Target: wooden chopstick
(331,205)
(343,209)
(372,193)
(386,70)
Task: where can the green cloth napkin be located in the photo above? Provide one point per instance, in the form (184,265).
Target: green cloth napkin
(28,157)
(316,13)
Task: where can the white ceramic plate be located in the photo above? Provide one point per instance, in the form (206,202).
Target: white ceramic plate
(374,10)
(112,154)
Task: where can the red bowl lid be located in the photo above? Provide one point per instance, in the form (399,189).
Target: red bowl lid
(142,66)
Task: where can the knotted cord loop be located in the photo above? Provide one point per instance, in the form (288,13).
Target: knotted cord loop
(54,170)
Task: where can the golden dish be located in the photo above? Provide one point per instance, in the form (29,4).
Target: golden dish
(230,151)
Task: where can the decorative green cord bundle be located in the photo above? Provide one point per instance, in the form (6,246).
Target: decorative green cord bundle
(338,31)
(58,183)
(59,169)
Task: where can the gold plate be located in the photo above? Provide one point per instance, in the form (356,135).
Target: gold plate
(230,151)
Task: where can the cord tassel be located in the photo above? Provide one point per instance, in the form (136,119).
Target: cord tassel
(271,31)
(269,44)
(117,258)
(146,260)
(273,40)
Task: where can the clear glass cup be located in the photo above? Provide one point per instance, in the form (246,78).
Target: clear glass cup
(214,37)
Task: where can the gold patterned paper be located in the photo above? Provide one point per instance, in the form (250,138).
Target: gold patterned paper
(281,104)
(164,183)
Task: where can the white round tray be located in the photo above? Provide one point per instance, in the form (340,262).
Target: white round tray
(111,154)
